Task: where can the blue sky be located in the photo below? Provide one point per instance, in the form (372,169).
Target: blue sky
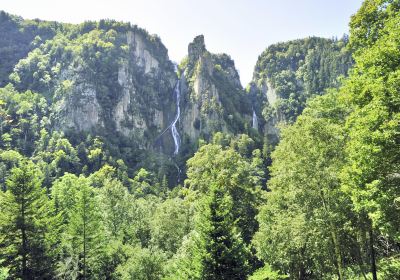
(240,28)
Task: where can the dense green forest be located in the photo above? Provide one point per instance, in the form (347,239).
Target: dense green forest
(298,70)
(91,188)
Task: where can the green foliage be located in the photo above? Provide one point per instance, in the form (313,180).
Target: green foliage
(266,273)
(101,205)
(83,239)
(297,70)
(18,38)
(25,225)
(390,267)
(187,262)
(143,264)
(3,273)
(305,202)
(23,116)
(170,222)
(115,205)
(63,68)
(229,170)
(373,148)
(334,183)
(226,254)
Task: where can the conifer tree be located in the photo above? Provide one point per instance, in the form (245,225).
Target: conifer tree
(226,254)
(82,241)
(24,225)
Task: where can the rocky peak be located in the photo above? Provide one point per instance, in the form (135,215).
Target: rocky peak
(196,48)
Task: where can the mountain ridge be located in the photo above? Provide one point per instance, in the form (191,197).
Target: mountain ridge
(115,81)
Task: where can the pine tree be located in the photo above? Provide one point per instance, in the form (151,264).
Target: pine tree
(24,225)
(226,254)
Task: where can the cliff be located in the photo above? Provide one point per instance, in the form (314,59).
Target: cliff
(114,81)
(214,97)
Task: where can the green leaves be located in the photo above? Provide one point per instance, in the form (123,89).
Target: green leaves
(333,183)
(374,123)
(290,73)
(25,225)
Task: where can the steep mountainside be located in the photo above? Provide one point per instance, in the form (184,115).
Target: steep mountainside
(18,37)
(288,74)
(215,99)
(100,77)
(116,163)
(114,82)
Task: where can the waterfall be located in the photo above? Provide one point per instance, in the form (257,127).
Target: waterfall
(175,133)
(255,120)
(172,126)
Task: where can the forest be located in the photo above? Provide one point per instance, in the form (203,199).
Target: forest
(301,185)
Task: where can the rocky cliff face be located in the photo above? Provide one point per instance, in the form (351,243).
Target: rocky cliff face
(112,85)
(115,80)
(104,81)
(214,98)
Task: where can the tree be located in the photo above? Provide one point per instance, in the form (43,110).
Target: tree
(116,206)
(170,223)
(187,262)
(302,223)
(237,175)
(82,240)
(214,249)
(143,264)
(370,176)
(226,254)
(267,273)
(24,225)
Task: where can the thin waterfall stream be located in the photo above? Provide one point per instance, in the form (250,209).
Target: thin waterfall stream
(174,130)
(255,120)
(172,125)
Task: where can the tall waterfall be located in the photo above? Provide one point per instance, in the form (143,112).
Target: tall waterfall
(255,120)
(172,126)
(175,133)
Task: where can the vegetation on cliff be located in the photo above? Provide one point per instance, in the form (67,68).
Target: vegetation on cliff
(287,74)
(92,202)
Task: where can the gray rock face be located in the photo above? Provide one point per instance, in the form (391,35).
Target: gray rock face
(80,110)
(196,48)
(127,90)
(139,106)
(270,93)
(121,109)
(213,93)
(141,52)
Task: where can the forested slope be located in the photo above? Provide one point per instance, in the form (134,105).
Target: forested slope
(91,187)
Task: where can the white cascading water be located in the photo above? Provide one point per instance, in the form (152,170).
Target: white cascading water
(172,126)
(175,133)
(255,120)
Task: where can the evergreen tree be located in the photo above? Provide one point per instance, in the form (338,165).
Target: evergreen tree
(24,225)
(83,237)
(226,254)
(241,177)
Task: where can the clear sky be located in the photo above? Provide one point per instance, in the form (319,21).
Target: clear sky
(240,28)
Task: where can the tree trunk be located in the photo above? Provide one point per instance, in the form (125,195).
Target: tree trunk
(84,242)
(336,246)
(372,253)
(24,244)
